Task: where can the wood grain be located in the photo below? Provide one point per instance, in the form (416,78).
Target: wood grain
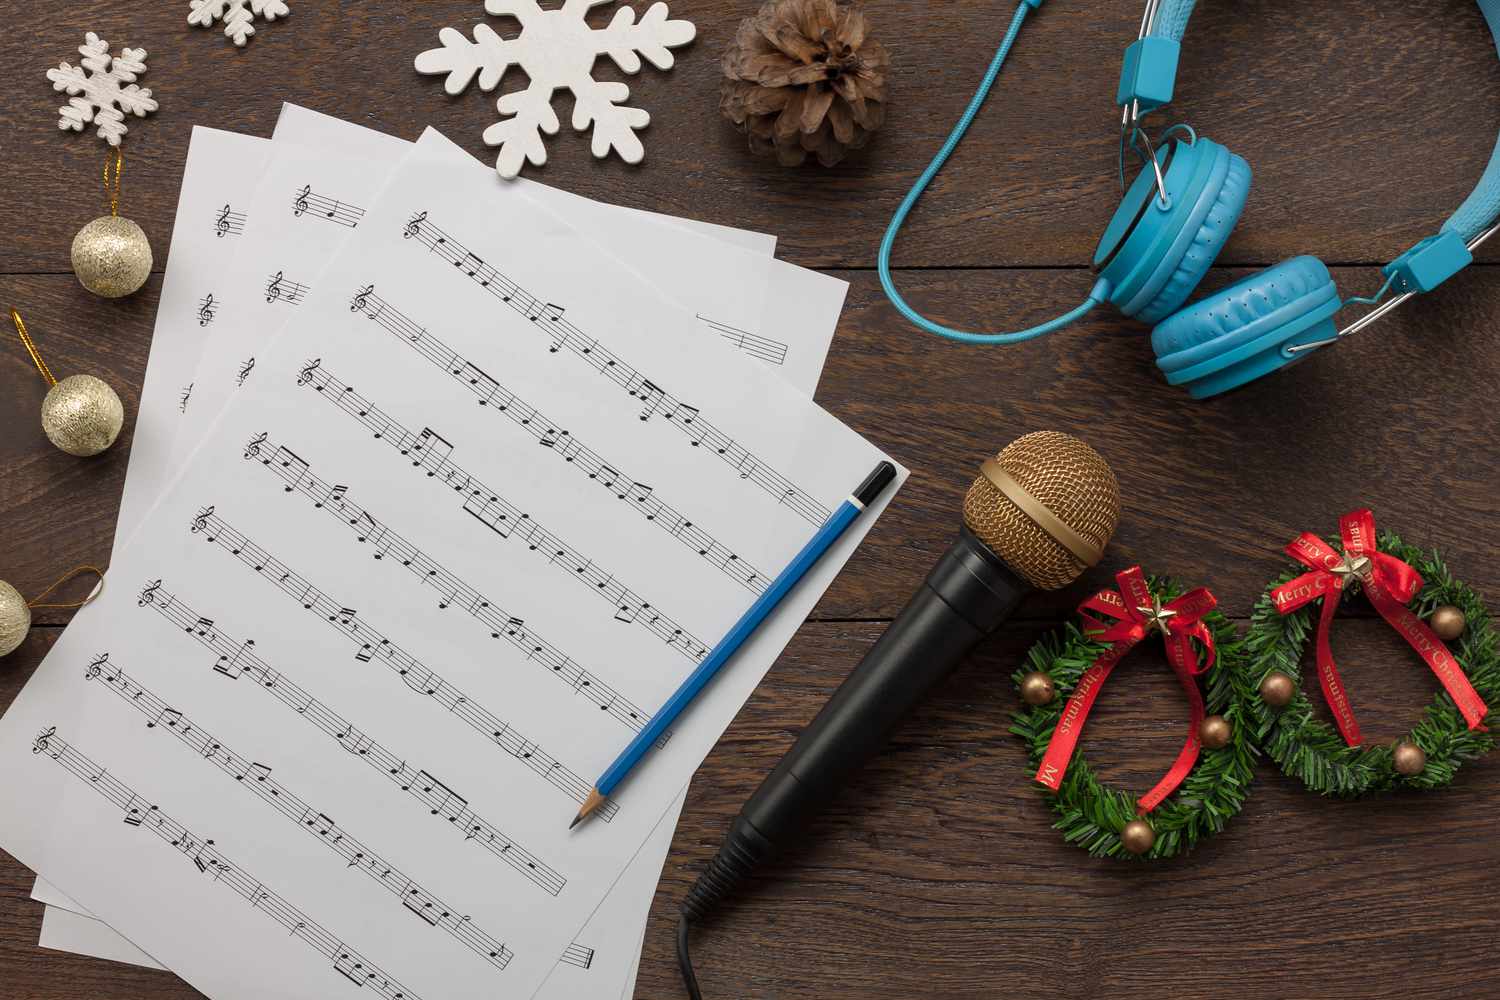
(936,873)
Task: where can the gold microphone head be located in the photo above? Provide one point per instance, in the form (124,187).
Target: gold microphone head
(1048,505)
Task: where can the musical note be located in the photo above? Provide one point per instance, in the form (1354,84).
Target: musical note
(205,856)
(773,351)
(493,395)
(395,769)
(207,310)
(614,368)
(412,673)
(280,288)
(310,204)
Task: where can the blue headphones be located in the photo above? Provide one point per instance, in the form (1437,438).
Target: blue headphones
(1178,215)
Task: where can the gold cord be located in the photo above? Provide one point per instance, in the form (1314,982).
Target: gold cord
(30,344)
(70,575)
(114,192)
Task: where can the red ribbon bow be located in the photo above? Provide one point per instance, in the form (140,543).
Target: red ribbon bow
(1138,614)
(1389,584)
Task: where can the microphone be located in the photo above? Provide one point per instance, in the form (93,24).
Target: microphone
(1038,516)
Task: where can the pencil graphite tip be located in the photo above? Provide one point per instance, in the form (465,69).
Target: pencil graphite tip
(576,820)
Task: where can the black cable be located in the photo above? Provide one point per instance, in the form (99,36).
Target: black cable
(685,959)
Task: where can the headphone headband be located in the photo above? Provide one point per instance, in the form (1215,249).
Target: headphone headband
(1149,77)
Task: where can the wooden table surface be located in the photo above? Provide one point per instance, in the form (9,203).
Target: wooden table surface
(937,874)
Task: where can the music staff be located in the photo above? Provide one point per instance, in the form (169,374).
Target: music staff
(431,453)
(578,955)
(238,659)
(256,778)
(209,860)
(246,368)
(187,394)
(279,288)
(654,399)
(637,495)
(371,645)
(316,206)
(334,499)
(752,344)
(228,222)
(207,309)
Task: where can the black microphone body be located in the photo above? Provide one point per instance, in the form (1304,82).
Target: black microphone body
(967,596)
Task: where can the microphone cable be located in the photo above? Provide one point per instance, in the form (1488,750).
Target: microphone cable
(1098,295)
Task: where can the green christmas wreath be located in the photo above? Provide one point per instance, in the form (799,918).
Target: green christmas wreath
(1315,752)
(1095,816)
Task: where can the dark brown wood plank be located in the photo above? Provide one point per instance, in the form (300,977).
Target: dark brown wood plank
(1392,419)
(936,873)
(1356,156)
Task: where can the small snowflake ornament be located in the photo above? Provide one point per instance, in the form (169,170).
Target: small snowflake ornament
(557,49)
(239,23)
(97,94)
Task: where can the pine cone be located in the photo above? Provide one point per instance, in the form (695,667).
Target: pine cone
(802,77)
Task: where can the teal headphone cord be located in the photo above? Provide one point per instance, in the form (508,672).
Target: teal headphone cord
(1101,288)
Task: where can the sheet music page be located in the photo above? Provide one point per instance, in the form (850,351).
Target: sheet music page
(246,322)
(222,169)
(353,659)
(780,314)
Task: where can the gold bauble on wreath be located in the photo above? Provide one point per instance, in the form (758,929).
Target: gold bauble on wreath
(1038,689)
(1447,623)
(1137,837)
(111,255)
(1215,732)
(81,414)
(1278,689)
(15,618)
(1408,759)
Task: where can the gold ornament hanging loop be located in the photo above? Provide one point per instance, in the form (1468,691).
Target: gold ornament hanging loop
(72,574)
(113,191)
(30,346)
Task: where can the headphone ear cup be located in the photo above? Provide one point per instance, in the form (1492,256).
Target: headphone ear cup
(1188,261)
(1236,335)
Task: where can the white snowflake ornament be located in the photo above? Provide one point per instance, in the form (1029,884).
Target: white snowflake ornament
(239,23)
(557,49)
(97,94)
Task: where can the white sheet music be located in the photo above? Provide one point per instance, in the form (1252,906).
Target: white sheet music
(221,172)
(300,228)
(411,653)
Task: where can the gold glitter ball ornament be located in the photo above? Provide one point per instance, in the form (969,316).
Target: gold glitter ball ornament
(112,256)
(1137,837)
(15,618)
(82,415)
(1447,623)
(1037,689)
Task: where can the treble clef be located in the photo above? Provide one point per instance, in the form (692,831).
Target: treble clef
(221,224)
(362,299)
(252,450)
(200,523)
(148,596)
(414,227)
(206,310)
(300,205)
(43,741)
(245,370)
(97,666)
(306,375)
(273,290)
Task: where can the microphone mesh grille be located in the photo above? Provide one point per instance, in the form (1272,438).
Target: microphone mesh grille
(1067,477)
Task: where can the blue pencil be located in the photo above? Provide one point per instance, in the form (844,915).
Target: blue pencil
(833,529)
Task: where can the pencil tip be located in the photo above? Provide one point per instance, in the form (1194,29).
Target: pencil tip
(576,820)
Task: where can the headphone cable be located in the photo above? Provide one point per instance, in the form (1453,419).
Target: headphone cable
(1101,289)
(685,958)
